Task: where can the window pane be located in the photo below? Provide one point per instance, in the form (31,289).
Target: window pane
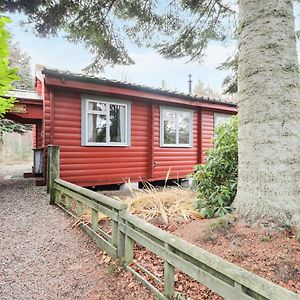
(98,106)
(117,123)
(96,128)
(169,127)
(183,127)
(169,132)
(169,115)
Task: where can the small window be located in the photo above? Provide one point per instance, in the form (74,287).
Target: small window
(220,118)
(176,127)
(105,122)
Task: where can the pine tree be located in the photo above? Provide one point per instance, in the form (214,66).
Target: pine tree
(21,60)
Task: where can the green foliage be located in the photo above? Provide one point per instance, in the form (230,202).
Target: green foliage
(223,224)
(297,229)
(216,181)
(18,59)
(230,82)
(219,227)
(12,126)
(174,29)
(266,237)
(7,74)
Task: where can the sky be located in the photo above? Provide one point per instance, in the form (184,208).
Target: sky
(149,69)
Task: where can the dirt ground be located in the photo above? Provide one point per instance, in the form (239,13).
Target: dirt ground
(271,252)
(42,257)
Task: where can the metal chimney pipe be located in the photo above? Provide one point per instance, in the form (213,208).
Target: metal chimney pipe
(190,84)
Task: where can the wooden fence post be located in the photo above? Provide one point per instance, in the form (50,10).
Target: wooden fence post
(95,219)
(53,170)
(48,170)
(79,208)
(169,281)
(121,235)
(129,242)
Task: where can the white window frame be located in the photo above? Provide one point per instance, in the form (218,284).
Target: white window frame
(85,100)
(221,115)
(191,123)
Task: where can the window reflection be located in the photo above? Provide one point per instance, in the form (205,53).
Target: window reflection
(117,123)
(96,128)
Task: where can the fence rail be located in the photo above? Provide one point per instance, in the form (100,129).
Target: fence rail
(224,278)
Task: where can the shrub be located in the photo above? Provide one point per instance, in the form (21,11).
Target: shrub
(216,181)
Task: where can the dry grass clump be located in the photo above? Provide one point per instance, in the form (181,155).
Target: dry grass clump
(169,203)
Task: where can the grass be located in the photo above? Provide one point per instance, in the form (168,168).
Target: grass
(220,226)
(266,238)
(168,203)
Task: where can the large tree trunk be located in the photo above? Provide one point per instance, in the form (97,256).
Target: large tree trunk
(269,113)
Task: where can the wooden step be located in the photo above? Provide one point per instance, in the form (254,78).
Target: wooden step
(40,181)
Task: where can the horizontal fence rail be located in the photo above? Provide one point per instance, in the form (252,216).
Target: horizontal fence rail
(220,276)
(96,203)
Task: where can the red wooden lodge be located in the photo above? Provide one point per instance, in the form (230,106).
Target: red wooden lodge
(111,132)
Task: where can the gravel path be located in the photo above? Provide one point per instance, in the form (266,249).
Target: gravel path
(42,257)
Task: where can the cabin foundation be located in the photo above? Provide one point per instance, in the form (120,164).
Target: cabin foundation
(129,186)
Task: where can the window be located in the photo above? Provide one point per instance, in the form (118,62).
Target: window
(220,118)
(176,127)
(105,122)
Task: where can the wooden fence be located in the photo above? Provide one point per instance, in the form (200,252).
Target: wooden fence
(118,239)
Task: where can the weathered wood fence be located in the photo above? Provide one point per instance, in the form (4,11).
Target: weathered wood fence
(226,279)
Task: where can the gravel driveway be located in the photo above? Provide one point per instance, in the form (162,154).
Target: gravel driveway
(41,257)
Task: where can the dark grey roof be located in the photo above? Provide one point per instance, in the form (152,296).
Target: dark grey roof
(66,75)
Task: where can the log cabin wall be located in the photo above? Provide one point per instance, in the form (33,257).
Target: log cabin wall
(144,159)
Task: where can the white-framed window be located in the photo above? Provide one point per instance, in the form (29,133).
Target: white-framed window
(176,127)
(220,118)
(105,122)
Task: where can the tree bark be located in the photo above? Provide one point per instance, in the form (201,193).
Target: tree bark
(269,113)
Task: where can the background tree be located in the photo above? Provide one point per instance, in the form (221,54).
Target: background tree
(230,82)
(20,60)
(7,74)
(202,89)
(268,80)
(174,29)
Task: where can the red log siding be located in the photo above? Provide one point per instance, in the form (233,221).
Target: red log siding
(39,135)
(88,166)
(46,138)
(143,160)
(179,161)
(34,136)
(46,118)
(207,132)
